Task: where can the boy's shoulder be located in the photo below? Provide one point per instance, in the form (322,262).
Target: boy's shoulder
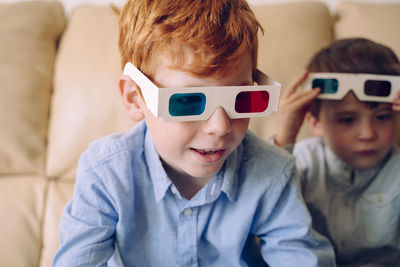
(108,146)
(311,143)
(310,148)
(310,154)
(396,151)
(263,169)
(260,148)
(387,179)
(393,162)
(258,152)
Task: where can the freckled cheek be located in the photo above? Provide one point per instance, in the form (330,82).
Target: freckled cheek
(172,138)
(185,136)
(238,134)
(240,126)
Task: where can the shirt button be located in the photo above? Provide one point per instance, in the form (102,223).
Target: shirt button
(380,199)
(188,211)
(173,189)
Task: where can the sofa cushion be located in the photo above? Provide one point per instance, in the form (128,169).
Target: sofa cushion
(22,200)
(378,22)
(86,102)
(29,32)
(59,193)
(293,33)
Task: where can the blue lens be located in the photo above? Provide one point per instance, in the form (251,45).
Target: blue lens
(328,86)
(187,104)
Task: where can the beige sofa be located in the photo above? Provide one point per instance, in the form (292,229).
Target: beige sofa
(58,91)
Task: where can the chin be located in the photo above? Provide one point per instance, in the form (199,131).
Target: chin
(364,165)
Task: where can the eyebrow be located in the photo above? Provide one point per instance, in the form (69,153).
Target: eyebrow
(385,108)
(355,112)
(345,113)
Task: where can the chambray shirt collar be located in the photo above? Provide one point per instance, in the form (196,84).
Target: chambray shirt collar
(158,176)
(226,180)
(346,175)
(232,164)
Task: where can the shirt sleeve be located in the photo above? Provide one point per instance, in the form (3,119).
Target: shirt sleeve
(288,148)
(286,235)
(87,227)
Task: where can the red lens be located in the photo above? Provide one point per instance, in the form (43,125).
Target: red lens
(252,101)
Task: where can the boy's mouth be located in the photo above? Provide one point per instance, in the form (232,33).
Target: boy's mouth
(206,151)
(209,155)
(367,152)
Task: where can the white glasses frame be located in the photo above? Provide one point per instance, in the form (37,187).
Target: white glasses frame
(157,98)
(354,82)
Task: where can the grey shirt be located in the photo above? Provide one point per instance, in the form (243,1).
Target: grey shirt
(358,210)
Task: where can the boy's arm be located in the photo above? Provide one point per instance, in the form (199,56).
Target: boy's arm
(293,106)
(88,223)
(286,235)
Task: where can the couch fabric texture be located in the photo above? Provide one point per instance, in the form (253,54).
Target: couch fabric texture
(59,91)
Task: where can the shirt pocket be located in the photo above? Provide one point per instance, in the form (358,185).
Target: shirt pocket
(379,218)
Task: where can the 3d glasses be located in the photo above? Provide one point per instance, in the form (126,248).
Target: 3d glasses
(367,87)
(198,103)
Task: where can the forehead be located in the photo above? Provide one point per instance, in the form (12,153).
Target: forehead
(167,75)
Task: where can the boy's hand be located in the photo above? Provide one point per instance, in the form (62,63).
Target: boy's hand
(396,102)
(293,106)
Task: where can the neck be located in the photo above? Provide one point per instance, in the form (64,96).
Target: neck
(187,185)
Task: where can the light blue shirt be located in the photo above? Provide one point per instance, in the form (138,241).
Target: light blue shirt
(358,210)
(126,212)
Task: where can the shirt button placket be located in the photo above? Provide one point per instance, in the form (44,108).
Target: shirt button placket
(187,237)
(188,211)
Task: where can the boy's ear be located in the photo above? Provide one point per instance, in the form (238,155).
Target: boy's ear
(314,124)
(131,98)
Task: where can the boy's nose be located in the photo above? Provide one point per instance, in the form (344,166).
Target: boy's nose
(218,123)
(367,131)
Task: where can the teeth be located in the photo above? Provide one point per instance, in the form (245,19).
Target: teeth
(205,151)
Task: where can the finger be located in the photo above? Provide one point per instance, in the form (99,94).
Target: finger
(396,102)
(303,104)
(302,97)
(297,81)
(396,107)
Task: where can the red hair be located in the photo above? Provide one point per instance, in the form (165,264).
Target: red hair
(216,33)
